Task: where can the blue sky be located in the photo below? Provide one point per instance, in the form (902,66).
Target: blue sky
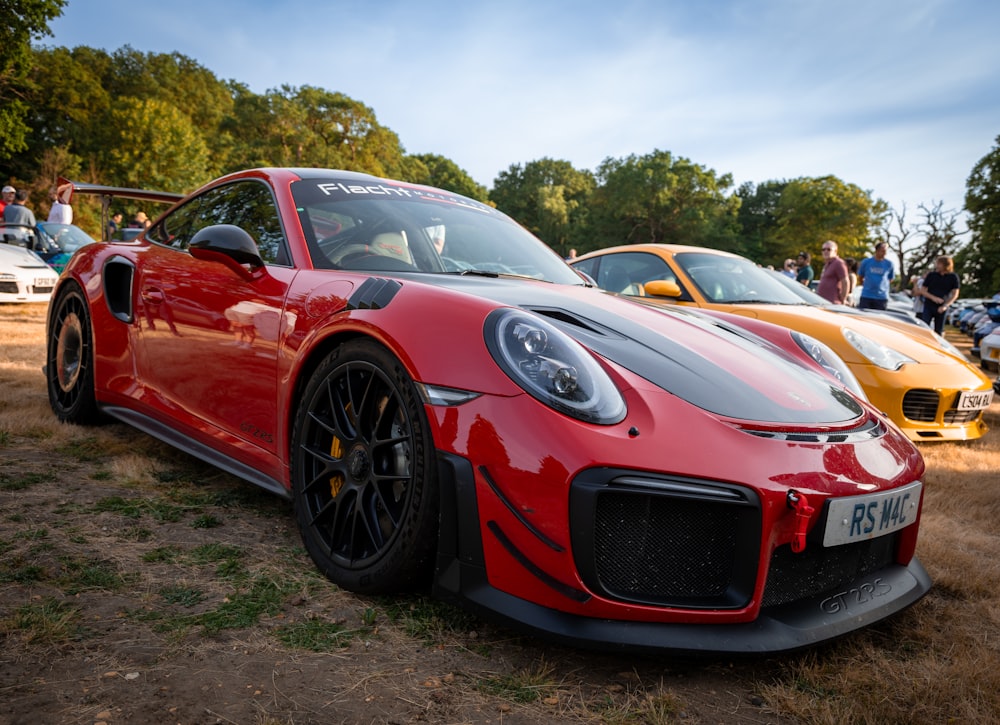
(901,97)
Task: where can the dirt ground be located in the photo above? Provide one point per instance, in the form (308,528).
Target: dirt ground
(116,666)
(138,585)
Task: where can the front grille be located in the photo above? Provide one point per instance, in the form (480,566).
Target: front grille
(42,290)
(651,548)
(961,416)
(921,405)
(821,569)
(8,288)
(667,542)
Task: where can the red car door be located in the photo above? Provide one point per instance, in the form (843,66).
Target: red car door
(208,344)
(207,335)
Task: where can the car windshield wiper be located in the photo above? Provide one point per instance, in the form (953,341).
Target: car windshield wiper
(494,275)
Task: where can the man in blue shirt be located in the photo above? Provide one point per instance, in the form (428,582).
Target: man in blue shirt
(875,274)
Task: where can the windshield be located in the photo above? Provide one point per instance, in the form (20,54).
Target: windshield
(67,237)
(725,279)
(800,290)
(24,236)
(389,227)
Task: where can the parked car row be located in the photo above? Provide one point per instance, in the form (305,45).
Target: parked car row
(980,319)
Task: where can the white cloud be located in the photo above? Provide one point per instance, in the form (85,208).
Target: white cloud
(900,97)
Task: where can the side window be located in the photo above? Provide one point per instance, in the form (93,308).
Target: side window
(246,204)
(628,271)
(175,230)
(587,266)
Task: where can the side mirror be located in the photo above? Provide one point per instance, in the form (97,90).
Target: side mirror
(228,244)
(662,288)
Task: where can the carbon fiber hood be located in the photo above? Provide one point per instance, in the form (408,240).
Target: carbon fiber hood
(730,373)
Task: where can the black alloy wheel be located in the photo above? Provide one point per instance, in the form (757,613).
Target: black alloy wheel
(69,363)
(364,480)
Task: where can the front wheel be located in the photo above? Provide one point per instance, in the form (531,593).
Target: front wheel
(364,481)
(69,359)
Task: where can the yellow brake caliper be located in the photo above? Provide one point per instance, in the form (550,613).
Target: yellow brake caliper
(337,479)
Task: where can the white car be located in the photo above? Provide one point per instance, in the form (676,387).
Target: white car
(989,350)
(24,276)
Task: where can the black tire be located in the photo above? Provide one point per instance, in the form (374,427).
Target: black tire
(364,480)
(69,359)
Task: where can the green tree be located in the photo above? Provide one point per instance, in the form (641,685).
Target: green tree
(659,198)
(74,93)
(158,147)
(550,198)
(175,78)
(979,261)
(812,210)
(310,126)
(23,21)
(758,221)
(434,170)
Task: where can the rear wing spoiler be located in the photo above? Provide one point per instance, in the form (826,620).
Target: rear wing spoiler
(67,188)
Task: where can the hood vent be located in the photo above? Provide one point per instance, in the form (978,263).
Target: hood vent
(872,428)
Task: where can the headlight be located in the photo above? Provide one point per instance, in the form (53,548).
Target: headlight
(949,347)
(829,361)
(876,352)
(552,367)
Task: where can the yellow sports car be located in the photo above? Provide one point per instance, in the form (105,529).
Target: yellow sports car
(930,391)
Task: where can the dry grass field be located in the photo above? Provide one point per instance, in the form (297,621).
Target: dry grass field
(138,585)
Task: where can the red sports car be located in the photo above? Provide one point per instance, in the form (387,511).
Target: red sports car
(446,401)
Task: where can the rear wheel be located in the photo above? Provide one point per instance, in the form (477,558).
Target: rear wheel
(364,480)
(69,368)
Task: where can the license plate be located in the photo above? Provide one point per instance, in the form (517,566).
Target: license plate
(45,282)
(858,518)
(975,400)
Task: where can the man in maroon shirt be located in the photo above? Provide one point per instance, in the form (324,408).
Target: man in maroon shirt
(834,283)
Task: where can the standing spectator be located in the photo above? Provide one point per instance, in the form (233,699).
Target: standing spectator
(939,290)
(852,278)
(833,282)
(114,225)
(17,212)
(918,301)
(789,269)
(139,221)
(876,274)
(8,197)
(61,211)
(805,274)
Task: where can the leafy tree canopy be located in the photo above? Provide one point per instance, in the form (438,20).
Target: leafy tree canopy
(23,21)
(660,198)
(783,218)
(434,170)
(550,198)
(979,261)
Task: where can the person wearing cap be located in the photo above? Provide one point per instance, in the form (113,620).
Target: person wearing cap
(17,213)
(8,197)
(805,274)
